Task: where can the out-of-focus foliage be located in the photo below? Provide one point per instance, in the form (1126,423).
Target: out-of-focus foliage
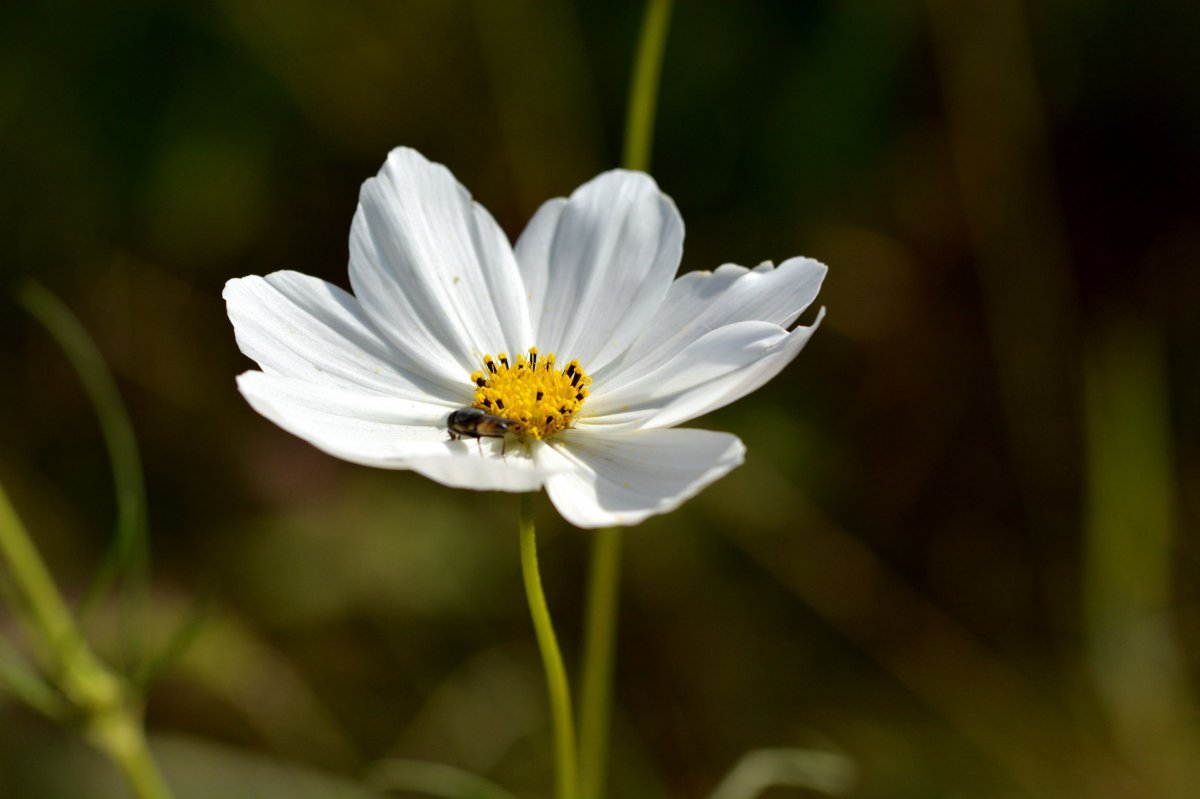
(963,549)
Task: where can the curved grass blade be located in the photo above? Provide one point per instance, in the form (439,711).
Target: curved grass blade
(128,554)
(20,681)
(433,779)
(762,769)
(198,614)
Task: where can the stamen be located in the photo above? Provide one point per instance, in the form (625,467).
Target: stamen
(530,392)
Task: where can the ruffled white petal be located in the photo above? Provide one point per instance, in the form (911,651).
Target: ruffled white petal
(700,302)
(713,371)
(303,327)
(622,477)
(596,266)
(433,270)
(388,432)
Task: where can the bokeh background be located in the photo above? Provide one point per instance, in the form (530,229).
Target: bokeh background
(963,549)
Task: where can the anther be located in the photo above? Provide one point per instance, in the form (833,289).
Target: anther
(528,388)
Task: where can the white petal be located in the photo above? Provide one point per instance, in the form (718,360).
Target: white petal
(433,270)
(497,469)
(620,478)
(713,371)
(700,302)
(299,326)
(390,433)
(598,265)
(533,251)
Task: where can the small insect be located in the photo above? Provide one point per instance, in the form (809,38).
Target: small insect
(474,423)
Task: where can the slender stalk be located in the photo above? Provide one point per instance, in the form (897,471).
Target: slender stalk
(598,655)
(47,610)
(556,673)
(123,739)
(603,597)
(643,89)
(111,722)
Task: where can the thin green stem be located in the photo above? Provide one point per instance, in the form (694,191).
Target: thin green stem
(123,739)
(49,613)
(556,673)
(603,596)
(598,656)
(110,720)
(643,89)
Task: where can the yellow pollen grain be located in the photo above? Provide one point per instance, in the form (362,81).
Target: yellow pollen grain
(530,390)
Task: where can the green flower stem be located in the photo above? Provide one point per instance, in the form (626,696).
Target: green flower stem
(643,89)
(598,656)
(111,722)
(47,610)
(556,673)
(123,738)
(601,626)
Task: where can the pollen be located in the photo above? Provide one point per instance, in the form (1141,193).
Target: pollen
(532,391)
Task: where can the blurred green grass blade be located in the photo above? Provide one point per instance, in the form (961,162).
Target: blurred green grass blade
(433,779)
(19,680)
(763,769)
(198,614)
(127,555)
(11,598)
(1130,545)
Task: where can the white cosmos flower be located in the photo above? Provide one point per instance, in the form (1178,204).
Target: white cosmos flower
(372,377)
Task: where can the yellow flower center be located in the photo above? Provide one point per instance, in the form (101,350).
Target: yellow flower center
(530,391)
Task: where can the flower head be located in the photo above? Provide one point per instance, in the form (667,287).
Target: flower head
(577,349)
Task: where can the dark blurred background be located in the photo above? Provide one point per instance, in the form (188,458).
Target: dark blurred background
(963,549)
